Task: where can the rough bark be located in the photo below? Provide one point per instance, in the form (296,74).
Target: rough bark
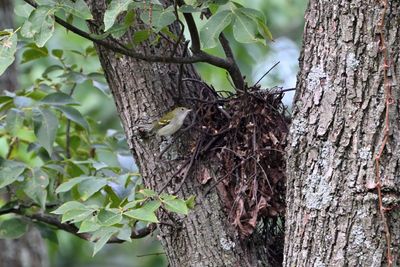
(29,250)
(143,92)
(338,124)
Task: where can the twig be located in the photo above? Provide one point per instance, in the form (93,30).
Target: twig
(180,37)
(235,73)
(179,86)
(268,71)
(284,91)
(388,102)
(194,33)
(201,56)
(151,254)
(192,159)
(70,228)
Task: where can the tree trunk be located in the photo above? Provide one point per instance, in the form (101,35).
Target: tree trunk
(29,250)
(338,126)
(143,92)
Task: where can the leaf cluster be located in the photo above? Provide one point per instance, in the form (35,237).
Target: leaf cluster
(54,160)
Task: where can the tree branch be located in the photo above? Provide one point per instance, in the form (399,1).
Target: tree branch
(194,33)
(70,228)
(199,56)
(234,70)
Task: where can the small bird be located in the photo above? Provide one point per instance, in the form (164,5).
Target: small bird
(171,122)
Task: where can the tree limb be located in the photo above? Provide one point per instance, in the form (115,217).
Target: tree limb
(70,228)
(198,55)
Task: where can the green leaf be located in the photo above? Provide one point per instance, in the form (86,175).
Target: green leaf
(58,99)
(113,10)
(46,125)
(212,29)
(70,205)
(4,146)
(264,31)
(259,19)
(77,8)
(14,121)
(148,192)
(74,211)
(112,196)
(26,134)
(88,187)
(13,228)
(89,225)
(108,217)
(36,187)
(76,215)
(244,28)
(251,13)
(125,233)
(74,115)
(105,234)
(141,36)
(23,10)
(77,77)
(33,52)
(191,202)
(175,205)
(58,53)
(64,187)
(10,172)
(5,99)
(40,25)
(51,69)
(134,203)
(189,9)
(160,17)
(8,47)
(23,102)
(145,213)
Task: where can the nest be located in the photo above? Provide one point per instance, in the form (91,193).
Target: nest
(247,133)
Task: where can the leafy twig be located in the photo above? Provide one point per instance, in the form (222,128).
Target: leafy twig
(70,228)
(198,56)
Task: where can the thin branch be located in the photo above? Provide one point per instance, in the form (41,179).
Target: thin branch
(192,159)
(234,71)
(179,82)
(268,71)
(199,57)
(180,37)
(284,91)
(151,254)
(70,228)
(194,33)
